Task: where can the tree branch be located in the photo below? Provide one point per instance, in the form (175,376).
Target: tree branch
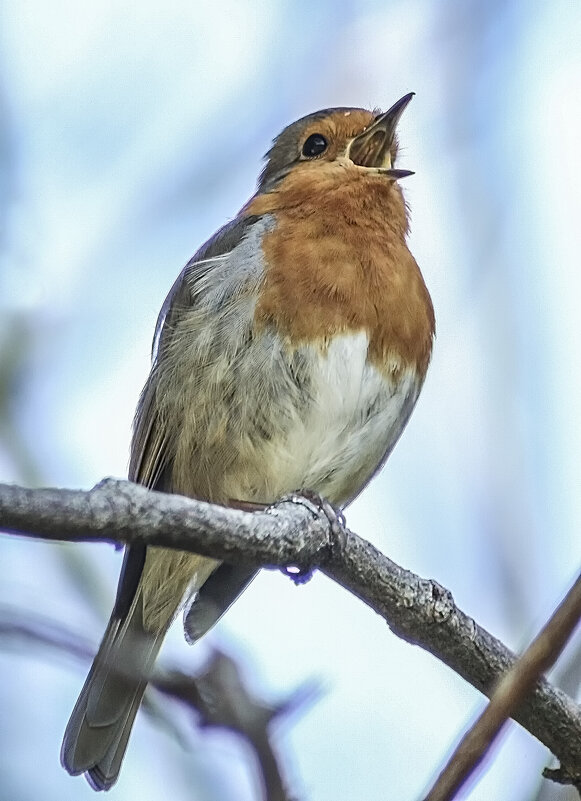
(296,532)
(510,692)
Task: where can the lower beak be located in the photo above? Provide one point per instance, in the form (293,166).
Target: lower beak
(372,148)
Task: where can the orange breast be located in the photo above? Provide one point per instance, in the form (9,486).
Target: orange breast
(337,261)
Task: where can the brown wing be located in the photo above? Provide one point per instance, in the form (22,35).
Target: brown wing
(152,444)
(150,451)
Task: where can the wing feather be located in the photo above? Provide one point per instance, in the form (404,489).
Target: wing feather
(151,449)
(153,444)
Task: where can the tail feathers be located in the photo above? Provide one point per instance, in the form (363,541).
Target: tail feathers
(98,731)
(215,596)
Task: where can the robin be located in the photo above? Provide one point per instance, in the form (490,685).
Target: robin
(289,353)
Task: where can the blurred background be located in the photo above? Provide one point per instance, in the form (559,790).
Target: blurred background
(129,132)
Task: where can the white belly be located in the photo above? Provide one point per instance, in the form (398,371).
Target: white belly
(342,435)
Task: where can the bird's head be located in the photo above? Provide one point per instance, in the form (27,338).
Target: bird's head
(352,138)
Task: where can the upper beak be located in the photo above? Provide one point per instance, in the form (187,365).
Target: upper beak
(372,148)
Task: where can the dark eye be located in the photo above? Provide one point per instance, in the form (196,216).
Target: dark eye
(314,146)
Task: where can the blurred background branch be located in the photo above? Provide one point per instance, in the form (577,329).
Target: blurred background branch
(217,697)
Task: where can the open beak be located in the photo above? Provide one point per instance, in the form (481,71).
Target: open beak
(372,148)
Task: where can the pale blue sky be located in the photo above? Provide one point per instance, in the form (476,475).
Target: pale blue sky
(131,132)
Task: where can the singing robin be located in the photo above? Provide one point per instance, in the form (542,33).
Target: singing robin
(288,354)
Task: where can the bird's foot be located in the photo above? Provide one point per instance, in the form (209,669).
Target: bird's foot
(309,499)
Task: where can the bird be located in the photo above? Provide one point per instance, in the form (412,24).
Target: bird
(289,353)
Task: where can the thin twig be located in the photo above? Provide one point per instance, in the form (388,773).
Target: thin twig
(509,694)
